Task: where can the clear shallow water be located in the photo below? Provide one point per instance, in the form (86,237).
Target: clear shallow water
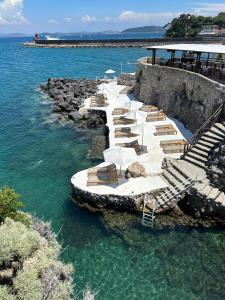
(38,160)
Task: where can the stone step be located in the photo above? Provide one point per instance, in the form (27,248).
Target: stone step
(220,126)
(221,198)
(197,157)
(172,180)
(200,152)
(176,174)
(202,148)
(210,139)
(217,132)
(208,144)
(188,170)
(213,136)
(214,193)
(194,162)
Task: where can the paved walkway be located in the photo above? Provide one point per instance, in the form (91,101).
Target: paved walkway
(151,159)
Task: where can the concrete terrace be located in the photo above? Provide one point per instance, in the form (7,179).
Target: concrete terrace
(151,159)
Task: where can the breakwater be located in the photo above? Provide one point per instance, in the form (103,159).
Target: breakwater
(116,43)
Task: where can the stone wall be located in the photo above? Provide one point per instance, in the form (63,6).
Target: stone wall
(126,79)
(187,96)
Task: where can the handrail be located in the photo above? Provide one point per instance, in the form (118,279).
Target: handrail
(208,124)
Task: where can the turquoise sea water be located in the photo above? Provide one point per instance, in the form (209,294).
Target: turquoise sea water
(38,160)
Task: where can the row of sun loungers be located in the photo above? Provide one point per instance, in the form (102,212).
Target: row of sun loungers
(102,175)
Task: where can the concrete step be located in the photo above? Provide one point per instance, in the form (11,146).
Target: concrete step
(202,148)
(217,132)
(221,198)
(210,139)
(176,174)
(200,152)
(194,162)
(207,144)
(197,157)
(220,126)
(214,193)
(188,170)
(213,135)
(172,180)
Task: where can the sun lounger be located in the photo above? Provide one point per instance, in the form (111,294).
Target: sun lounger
(124,134)
(173,146)
(102,175)
(123,121)
(98,101)
(133,144)
(156,117)
(165,130)
(149,108)
(119,111)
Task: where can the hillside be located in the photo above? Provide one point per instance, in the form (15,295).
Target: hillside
(187,25)
(145,29)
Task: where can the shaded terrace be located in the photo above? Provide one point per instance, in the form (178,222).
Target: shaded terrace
(208,60)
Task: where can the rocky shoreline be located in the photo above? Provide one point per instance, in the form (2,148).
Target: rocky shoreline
(68,97)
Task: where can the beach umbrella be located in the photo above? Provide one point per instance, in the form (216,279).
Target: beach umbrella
(110,71)
(139,129)
(120,155)
(136,115)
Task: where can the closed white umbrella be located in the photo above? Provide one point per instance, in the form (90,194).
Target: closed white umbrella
(139,129)
(136,115)
(120,155)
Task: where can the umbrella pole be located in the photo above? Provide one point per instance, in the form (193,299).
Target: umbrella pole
(120,173)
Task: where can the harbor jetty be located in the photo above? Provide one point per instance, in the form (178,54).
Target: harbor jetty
(153,163)
(116,43)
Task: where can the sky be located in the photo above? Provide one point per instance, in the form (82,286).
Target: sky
(29,16)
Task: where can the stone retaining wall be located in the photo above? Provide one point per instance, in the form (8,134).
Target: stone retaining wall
(187,96)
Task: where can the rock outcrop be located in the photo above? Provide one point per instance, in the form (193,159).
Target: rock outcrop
(135,170)
(68,97)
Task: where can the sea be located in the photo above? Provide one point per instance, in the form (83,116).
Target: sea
(38,158)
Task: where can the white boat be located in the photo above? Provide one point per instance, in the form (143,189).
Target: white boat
(51,38)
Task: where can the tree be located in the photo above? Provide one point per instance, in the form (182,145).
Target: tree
(10,205)
(187,25)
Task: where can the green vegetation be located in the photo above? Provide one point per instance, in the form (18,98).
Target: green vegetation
(30,268)
(9,205)
(145,29)
(189,25)
(29,263)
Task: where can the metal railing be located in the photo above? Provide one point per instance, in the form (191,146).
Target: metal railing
(209,123)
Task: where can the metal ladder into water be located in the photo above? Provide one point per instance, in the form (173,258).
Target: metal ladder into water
(168,198)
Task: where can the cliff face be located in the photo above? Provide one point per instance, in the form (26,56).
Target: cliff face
(187,96)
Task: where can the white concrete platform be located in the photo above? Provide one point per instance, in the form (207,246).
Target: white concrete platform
(151,159)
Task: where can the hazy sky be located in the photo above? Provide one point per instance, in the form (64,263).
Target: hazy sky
(95,15)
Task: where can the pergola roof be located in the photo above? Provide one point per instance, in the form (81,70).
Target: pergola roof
(201,48)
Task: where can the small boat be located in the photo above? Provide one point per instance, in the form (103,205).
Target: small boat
(51,38)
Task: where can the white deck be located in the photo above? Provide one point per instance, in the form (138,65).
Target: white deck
(151,160)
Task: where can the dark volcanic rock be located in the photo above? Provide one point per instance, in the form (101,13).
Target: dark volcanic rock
(69,95)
